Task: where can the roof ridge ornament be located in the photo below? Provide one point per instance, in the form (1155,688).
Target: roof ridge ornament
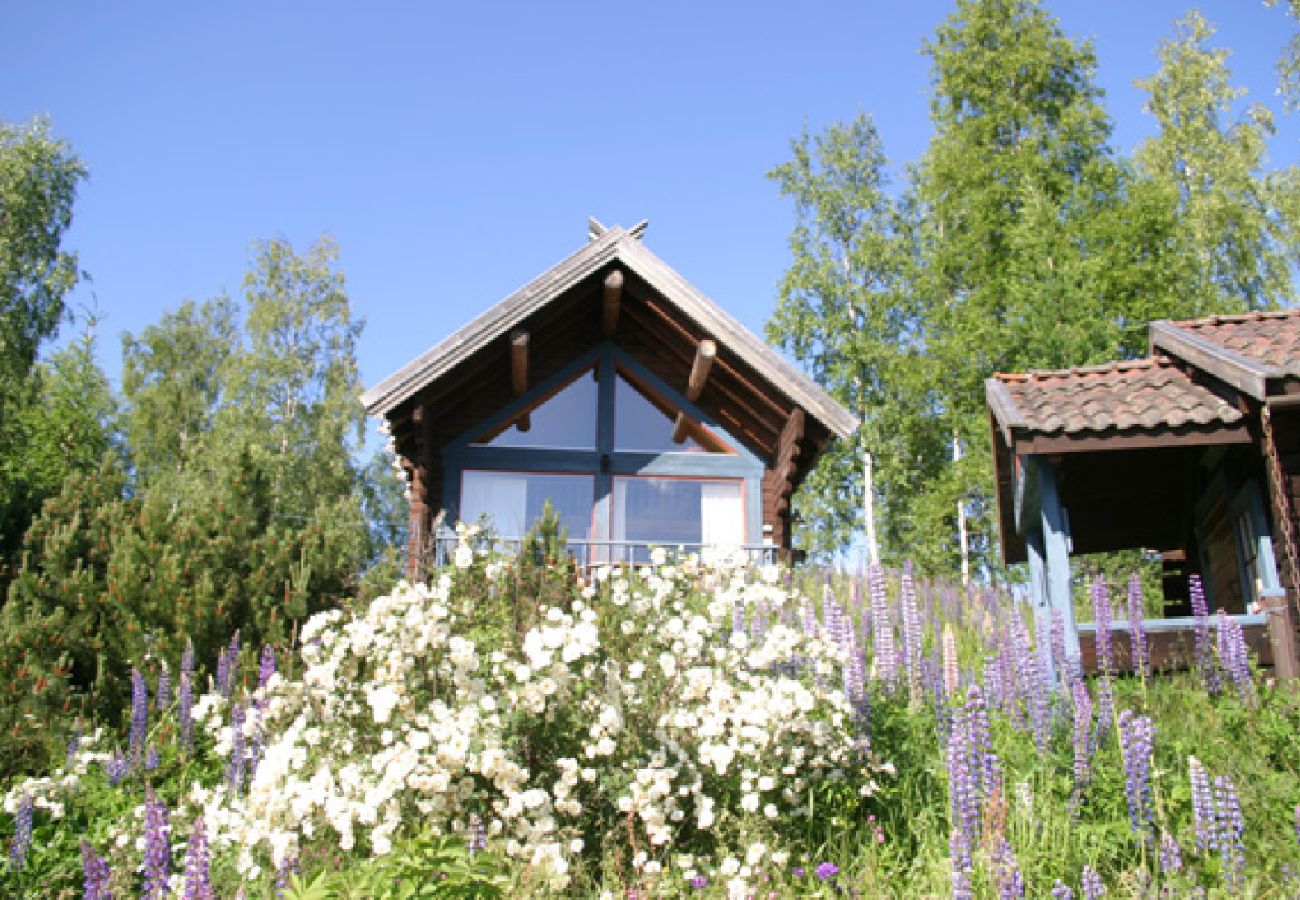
(597,229)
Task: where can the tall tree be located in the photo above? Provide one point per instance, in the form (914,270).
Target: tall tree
(1017,176)
(38,182)
(39,175)
(1237,238)
(59,424)
(171,382)
(848,312)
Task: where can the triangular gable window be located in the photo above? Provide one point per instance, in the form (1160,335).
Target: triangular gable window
(644,422)
(564,420)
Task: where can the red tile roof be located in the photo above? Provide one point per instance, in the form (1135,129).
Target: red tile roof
(1148,393)
(1270,338)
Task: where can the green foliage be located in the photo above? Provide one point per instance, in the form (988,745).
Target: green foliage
(58,425)
(38,181)
(848,311)
(241,509)
(1021,240)
(1236,251)
(419,866)
(39,175)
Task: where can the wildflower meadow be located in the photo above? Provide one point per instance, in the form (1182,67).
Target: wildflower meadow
(519,727)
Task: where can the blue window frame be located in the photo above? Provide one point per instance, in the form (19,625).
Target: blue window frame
(497,466)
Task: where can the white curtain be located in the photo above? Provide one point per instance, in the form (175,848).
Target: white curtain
(722,514)
(501,496)
(618,515)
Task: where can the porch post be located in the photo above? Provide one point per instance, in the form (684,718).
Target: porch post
(1049,554)
(1281,633)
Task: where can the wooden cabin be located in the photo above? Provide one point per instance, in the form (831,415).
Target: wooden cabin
(612,388)
(1192,452)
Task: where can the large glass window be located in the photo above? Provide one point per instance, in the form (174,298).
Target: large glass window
(679,511)
(513,501)
(641,424)
(566,420)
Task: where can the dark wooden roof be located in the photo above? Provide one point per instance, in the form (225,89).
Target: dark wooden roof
(1257,353)
(670,297)
(1141,397)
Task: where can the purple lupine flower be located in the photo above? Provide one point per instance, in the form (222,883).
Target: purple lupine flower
(1061,891)
(963,792)
(1060,661)
(959,857)
(151,759)
(1011,883)
(228,667)
(1297,823)
(1230,829)
(74,744)
(983,761)
(1041,684)
(139,717)
(883,646)
(187,659)
(1136,734)
(186,711)
(1090,884)
(477,835)
(1101,609)
(1082,743)
(22,841)
(157,848)
(1007,672)
(1104,709)
(826,871)
(1137,636)
(994,688)
(116,768)
(1171,855)
(235,768)
(287,869)
(197,885)
(95,874)
(1203,653)
(911,633)
(1203,817)
(163,693)
(1235,658)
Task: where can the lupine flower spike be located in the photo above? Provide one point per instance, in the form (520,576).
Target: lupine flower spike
(1090,884)
(157,848)
(1230,829)
(139,717)
(95,874)
(1136,635)
(1136,735)
(22,840)
(197,885)
(1203,817)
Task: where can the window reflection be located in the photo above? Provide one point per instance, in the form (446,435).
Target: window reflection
(513,501)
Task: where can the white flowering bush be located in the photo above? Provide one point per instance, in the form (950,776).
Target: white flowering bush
(662,725)
(631,721)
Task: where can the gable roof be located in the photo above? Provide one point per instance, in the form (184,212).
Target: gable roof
(624,247)
(1114,398)
(1247,351)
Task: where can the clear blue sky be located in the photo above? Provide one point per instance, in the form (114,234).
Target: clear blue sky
(455,150)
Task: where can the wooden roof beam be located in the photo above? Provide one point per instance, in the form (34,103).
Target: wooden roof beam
(705,352)
(613,296)
(519,371)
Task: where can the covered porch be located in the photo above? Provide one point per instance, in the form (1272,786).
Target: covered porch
(1140,455)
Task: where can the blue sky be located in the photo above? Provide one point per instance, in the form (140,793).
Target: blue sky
(455,151)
